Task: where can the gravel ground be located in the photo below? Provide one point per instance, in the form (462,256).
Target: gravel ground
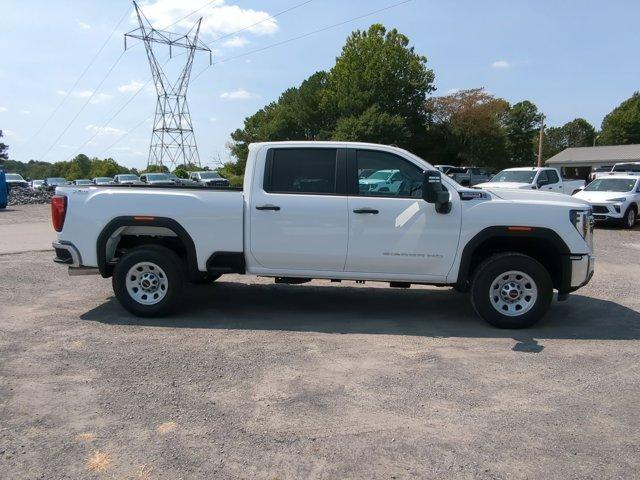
(319,381)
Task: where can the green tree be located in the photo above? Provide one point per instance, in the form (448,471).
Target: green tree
(375,92)
(377,68)
(521,125)
(622,125)
(576,133)
(181,173)
(156,169)
(4,149)
(467,127)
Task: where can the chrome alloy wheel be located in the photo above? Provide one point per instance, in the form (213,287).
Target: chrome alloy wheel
(513,293)
(631,218)
(147,283)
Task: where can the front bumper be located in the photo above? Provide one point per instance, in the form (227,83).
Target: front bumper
(582,268)
(608,211)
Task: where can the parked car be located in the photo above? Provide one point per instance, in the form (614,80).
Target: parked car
(37,184)
(509,248)
(614,198)
(625,167)
(444,168)
(50,183)
(15,180)
(102,181)
(127,179)
(468,176)
(3,190)
(82,182)
(184,182)
(533,178)
(595,171)
(160,179)
(210,179)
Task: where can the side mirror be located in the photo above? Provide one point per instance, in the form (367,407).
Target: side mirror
(433,192)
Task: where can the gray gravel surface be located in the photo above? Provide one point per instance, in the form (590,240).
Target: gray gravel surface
(319,381)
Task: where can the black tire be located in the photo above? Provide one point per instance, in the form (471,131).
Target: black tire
(206,279)
(174,270)
(499,264)
(630,217)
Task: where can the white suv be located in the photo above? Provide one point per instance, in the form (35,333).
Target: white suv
(614,198)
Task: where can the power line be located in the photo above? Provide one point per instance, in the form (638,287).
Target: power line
(261,21)
(93,94)
(304,35)
(75,84)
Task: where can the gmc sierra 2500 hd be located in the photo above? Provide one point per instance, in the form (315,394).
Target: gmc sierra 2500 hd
(305,213)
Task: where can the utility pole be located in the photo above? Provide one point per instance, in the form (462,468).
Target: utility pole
(540,138)
(173,141)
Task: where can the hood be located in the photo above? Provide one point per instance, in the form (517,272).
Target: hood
(600,197)
(492,185)
(535,196)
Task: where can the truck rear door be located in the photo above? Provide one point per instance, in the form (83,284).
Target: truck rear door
(298,210)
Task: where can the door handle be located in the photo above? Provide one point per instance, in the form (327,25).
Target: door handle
(268,207)
(366,210)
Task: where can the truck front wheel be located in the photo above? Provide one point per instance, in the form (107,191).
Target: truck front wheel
(149,280)
(511,290)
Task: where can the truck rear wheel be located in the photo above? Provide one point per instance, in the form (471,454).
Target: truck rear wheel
(148,281)
(511,290)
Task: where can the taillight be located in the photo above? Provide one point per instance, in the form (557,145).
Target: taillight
(58,211)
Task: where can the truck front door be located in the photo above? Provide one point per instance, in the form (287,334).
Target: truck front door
(298,210)
(392,230)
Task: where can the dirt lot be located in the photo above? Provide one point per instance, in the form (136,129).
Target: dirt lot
(315,381)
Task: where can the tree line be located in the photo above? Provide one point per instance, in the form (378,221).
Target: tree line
(378,91)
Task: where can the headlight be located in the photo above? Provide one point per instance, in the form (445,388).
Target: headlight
(583,221)
(623,199)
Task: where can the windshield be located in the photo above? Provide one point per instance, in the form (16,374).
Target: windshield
(517,176)
(127,177)
(380,175)
(626,167)
(208,175)
(611,185)
(14,176)
(158,177)
(84,182)
(102,179)
(56,180)
(38,182)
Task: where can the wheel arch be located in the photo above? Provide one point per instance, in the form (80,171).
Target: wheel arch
(156,227)
(542,244)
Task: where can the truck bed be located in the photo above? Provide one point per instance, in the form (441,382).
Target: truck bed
(212,216)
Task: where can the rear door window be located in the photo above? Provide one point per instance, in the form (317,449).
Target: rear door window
(301,170)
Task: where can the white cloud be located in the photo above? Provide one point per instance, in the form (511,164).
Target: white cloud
(240,94)
(132,86)
(84,26)
(235,42)
(105,130)
(25,112)
(501,64)
(213,119)
(84,94)
(218,18)
(4,109)
(8,133)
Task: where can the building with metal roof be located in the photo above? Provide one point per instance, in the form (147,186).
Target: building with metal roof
(578,162)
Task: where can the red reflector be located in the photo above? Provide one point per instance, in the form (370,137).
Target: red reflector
(520,229)
(144,218)
(58,211)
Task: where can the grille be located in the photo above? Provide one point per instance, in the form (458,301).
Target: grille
(600,209)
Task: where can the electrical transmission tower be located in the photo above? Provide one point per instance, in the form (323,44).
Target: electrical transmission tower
(173,141)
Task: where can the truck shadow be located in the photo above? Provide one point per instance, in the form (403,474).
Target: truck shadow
(360,310)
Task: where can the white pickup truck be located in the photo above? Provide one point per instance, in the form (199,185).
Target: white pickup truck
(533,178)
(304,213)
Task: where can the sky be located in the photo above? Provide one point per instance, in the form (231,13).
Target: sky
(571,58)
